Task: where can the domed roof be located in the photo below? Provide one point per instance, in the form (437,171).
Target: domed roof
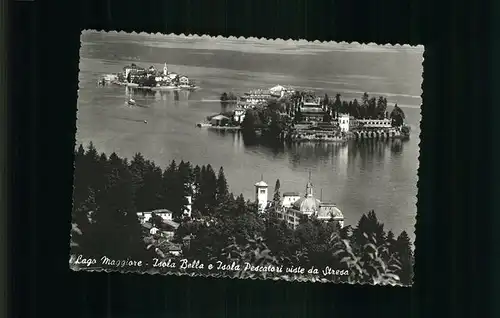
(306,204)
(330,211)
(261,183)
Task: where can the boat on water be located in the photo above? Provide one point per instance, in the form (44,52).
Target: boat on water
(188,87)
(203,125)
(167,87)
(131,102)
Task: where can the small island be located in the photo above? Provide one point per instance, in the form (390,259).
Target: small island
(283,113)
(151,78)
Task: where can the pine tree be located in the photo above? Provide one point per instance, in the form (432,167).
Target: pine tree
(381,107)
(405,256)
(81,180)
(208,191)
(277,195)
(150,195)
(372,108)
(326,100)
(222,192)
(138,171)
(397,115)
(369,230)
(337,105)
(169,185)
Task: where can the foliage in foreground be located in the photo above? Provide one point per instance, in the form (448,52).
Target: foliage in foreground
(109,191)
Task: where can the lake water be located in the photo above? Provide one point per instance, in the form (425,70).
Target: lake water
(358,177)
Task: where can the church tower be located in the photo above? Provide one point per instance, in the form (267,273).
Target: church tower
(261,194)
(309,188)
(165,70)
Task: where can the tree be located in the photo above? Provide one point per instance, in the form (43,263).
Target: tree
(299,117)
(81,219)
(206,200)
(337,106)
(223,97)
(327,118)
(138,170)
(149,196)
(222,192)
(405,256)
(277,195)
(381,107)
(326,100)
(248,125)
(372,108)
(397,116)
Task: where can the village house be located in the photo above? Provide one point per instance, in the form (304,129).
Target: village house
(146,216)
(184,80)
(219,120)
(165,214)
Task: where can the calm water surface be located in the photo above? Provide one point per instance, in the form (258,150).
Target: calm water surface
(358,177)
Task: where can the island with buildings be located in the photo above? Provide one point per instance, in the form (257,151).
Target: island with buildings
(289,114)
(150,78)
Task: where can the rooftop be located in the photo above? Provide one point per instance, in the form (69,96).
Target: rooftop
(261,183)
(219,117)
(161,211)
(330,211)
(173,224)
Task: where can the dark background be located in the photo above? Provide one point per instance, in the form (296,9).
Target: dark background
(453,271)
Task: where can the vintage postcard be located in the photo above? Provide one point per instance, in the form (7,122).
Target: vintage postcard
(246,158)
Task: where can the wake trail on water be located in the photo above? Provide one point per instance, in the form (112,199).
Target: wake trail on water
(131,119)
(210,100)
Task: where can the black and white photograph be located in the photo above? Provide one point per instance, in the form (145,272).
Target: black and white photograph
(246,158)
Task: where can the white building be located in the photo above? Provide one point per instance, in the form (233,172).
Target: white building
(373,123)
(153,231)
(165,214)
(146,216)
(239,115)
(218,120)
(184,80)
(165,70)
(261,195)
(188,209)
(289,198)
(344,122)
(293,207)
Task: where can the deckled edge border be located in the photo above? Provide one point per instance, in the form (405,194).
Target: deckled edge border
(278,41)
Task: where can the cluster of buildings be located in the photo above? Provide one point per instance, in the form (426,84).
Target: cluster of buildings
(153,77)
(262,96)
(294,206)
(250,100)
(167,232)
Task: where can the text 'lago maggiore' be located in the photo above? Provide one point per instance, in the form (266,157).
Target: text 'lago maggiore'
(185,264)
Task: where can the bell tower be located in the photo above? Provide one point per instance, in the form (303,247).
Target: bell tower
(165,70)
(309,188)
(261,194)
